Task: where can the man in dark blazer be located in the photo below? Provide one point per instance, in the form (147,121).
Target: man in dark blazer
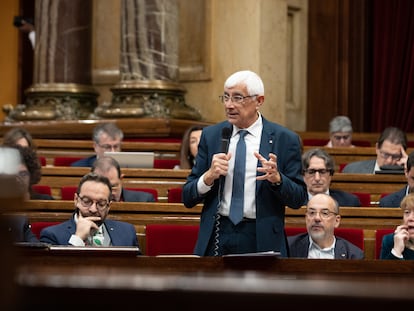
(394,199)
(272,177)
(89,224)
(318,169)
(106,137)
(322,217)
(390,149)
(109,167)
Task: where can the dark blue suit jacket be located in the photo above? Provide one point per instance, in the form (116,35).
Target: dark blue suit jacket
(86,162)
(18,228)
(299,247)
(270,201)
(121,233)
(388,244)
(393,199)
(137,196)
(345,198)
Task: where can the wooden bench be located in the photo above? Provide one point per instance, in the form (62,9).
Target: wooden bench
(51,148)
(164,179)
(143,213)
(357,136)
(160,179)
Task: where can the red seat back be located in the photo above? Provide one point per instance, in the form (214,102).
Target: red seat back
(166,163)
(379,234)
(68,192)
(65,161)
(314,141)
(364,198)
(175,195)
(39,225)
(43,189)
(170,239)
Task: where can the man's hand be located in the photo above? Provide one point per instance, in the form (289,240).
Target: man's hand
(269,168)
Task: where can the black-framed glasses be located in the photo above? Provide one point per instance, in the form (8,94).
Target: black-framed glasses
(238,99)
(312,171)
(88,202)
(340,137)
(325,213)
(386,155)
(110,147)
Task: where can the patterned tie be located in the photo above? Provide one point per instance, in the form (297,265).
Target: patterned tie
(98,238)
(237,197)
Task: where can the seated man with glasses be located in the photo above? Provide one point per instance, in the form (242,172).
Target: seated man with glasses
(340,132)
(322,217)
(89,224)
(318,169)
(390,149)
(106,137)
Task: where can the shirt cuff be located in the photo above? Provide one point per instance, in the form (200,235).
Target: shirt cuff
(202,188)
(76,241)
(396,255)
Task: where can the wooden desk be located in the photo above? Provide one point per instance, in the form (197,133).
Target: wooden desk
(212,282)
(142,213)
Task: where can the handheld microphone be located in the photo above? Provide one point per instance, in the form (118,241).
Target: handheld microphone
(225,139)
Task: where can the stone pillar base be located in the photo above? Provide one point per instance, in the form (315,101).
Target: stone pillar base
(55,101)
(154,99)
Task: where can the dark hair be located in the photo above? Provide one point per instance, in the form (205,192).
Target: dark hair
(13,135)
(30,159)
(319,153)
(394,135)
(186,158)
(105,163)
(410,161)
(96,178)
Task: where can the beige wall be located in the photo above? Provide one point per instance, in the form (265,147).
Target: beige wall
(8,54)
(217,38)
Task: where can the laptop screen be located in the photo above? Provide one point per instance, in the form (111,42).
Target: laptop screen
(133,159)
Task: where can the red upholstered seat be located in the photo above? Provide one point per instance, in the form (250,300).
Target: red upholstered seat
(42,161)
(364,198)
(379,234)
(65,161)
(353,235)
(68,192)
(166,163)
(43,189)
(39,225)
(175,195)
(154,192)
(170,239)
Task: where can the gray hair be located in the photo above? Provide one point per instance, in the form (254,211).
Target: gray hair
(340,124)
(253,82)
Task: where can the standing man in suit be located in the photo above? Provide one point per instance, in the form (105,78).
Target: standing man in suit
(106,137)
(390,149)
(318,169)
(322,217)
(89,224)
(394,199)
(272,178)
(109,167)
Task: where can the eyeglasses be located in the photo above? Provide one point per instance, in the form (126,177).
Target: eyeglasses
(312,171)
(88,202)
(110,147)
(23,174)
(339,137)
(238,99)
(386,155)
(325,213)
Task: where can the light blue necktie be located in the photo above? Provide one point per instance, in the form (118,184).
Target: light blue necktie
(237,196)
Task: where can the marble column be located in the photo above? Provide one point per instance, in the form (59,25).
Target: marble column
(62,88)
(149,64)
